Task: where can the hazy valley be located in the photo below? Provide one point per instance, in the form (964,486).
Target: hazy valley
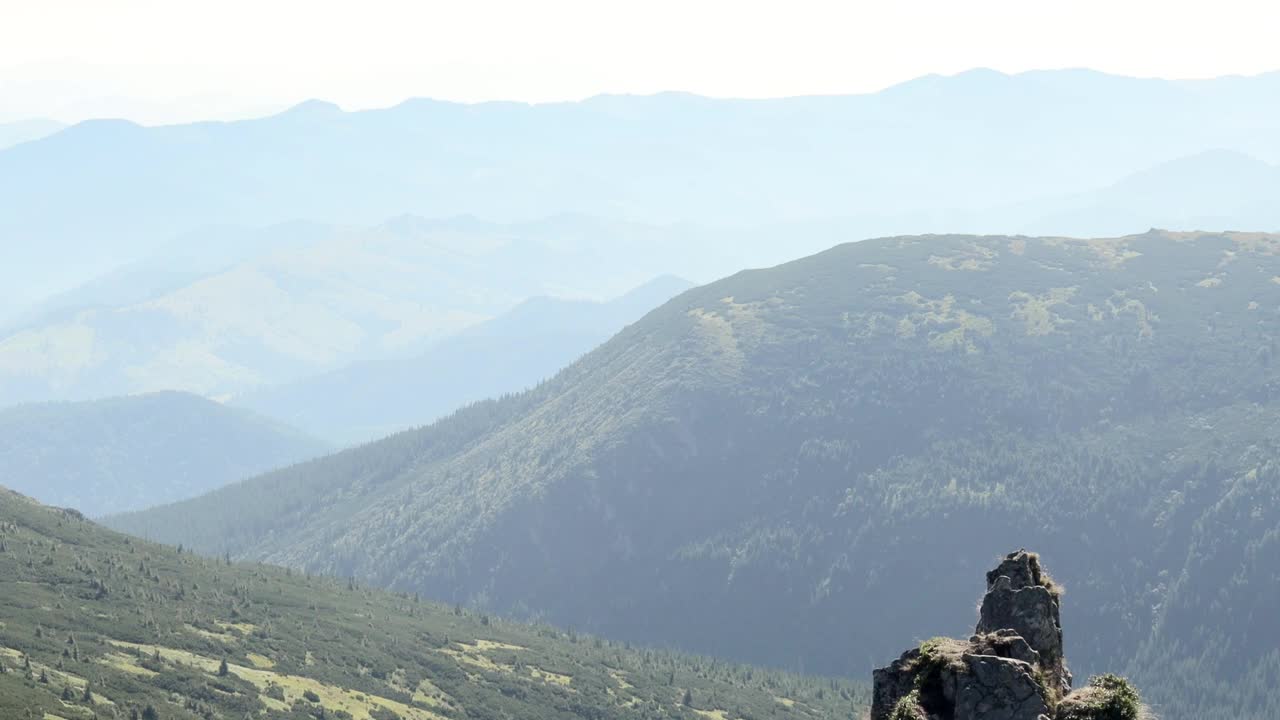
(127,453)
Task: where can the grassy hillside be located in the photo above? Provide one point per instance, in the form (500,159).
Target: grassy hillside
(759,467)
(97,625)
(127,453)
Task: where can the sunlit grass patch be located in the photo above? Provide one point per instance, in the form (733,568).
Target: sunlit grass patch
(551,677)
(620,678)
(293,688)
(125,663)
(261,661)
(210,635)
(495,645)
(473,655)
(243,628)
(57,678)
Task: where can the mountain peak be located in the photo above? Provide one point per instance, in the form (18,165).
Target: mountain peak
(663,286)
(313,107)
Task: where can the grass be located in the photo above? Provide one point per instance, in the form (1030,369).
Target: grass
(1106,697)
(145,625)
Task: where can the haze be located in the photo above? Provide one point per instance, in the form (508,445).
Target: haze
(156,62)
(648,361)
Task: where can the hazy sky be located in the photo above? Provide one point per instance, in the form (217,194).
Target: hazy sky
(165,60)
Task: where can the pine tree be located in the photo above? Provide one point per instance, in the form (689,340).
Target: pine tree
(223,669)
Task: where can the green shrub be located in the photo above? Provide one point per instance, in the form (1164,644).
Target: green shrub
(1106,697)
(908,708)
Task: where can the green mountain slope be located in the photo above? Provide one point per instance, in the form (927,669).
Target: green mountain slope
(760,466)
(96,625)
(127,453)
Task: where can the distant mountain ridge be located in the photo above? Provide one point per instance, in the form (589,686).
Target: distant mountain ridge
(127,453)
(967,142)
(179,262)
(1215,189)
(760,466)
(20,131)
(509,353)
(198,297)
(228,311)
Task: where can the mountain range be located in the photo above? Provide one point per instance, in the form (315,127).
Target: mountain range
(187,317)
(128,453)
(516,350)
(759,467)
(103,192)
(229,311)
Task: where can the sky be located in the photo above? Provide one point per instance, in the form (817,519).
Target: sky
(157,61)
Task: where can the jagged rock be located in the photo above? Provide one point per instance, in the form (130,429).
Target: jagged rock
(997,688)
(891,684)
(1005,644)
(1021,567)
(1021,598)
(1012,668)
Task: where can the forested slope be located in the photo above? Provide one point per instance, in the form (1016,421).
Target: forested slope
(127,453)
(96,625)
(758,467)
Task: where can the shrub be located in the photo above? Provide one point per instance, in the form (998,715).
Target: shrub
(1106,697)
(908,708)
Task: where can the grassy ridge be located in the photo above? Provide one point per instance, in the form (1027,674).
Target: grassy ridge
(96,624)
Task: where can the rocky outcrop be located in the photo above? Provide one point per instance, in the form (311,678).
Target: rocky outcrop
(1012,668)
(994,687)
(1022,599)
